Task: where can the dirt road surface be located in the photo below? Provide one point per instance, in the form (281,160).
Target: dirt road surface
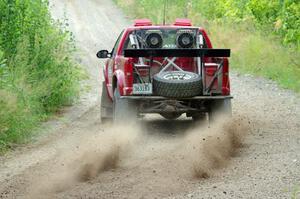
(257,155)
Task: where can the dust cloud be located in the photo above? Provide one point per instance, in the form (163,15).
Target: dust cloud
(199,152)
(207,149)
(97,154)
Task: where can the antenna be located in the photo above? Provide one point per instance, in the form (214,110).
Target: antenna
(165,7)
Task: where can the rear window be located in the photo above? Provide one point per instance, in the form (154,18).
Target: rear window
(165,38)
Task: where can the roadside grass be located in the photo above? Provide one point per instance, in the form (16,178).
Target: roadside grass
(38,75)
(253,51)
(258,54)
(296,193)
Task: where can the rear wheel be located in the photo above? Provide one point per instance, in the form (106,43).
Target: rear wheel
(106,105)
(124,110)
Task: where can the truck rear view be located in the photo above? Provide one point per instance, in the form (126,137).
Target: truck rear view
(170,70)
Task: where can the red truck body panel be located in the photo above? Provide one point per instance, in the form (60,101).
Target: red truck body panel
(118,70)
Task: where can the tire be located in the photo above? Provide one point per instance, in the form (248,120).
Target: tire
(171,84)
(171,116)
(106,105)
(220,107)
(124,111)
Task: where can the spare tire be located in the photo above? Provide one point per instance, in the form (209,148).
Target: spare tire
(176,84)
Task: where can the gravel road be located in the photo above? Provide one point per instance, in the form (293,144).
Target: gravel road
(256,155)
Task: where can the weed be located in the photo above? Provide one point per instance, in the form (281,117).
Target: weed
(37,73)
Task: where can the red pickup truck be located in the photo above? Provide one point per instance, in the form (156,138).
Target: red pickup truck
(166,69)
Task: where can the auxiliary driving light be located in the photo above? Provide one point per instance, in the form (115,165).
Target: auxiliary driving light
(154,39)
(185,39)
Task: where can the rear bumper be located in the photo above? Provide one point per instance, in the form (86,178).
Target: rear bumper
(166,98)
(159,104)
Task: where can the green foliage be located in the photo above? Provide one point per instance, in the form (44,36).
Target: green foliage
(288,23)
(253,52)
(37,73)
(296,193)
(281,17)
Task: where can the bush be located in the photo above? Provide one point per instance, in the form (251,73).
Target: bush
(255,53)
(37,73)
(281,18)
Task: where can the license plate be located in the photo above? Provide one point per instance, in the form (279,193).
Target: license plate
(145,89)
